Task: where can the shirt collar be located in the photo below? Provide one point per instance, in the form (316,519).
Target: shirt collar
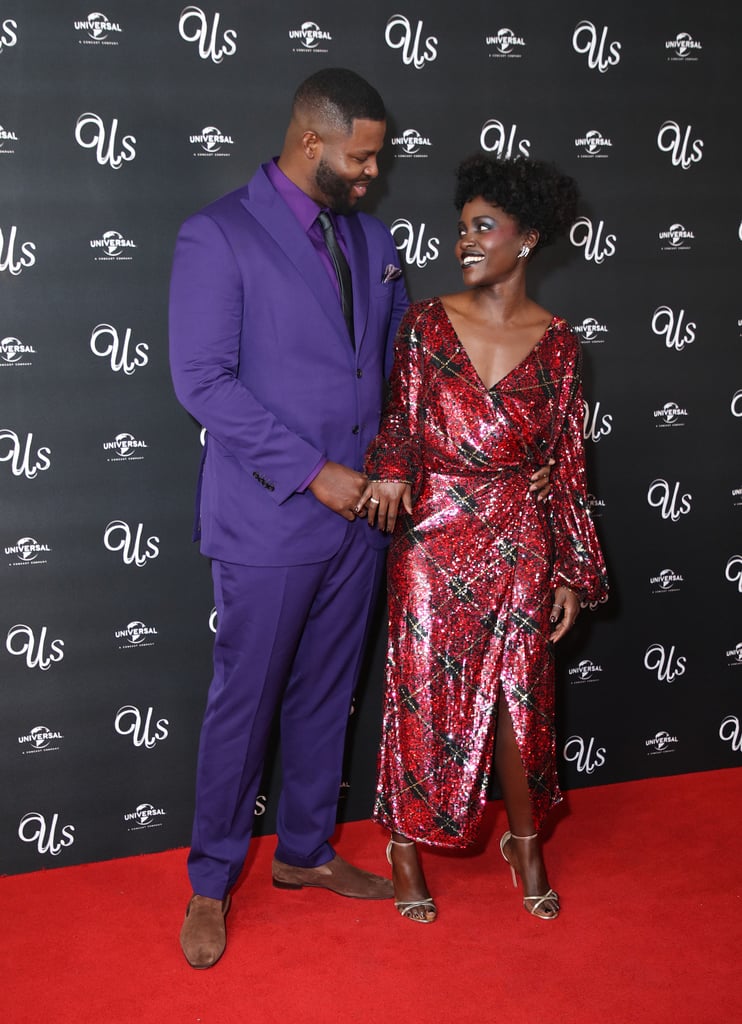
(303,207)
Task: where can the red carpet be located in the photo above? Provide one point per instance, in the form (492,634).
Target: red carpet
(650,930)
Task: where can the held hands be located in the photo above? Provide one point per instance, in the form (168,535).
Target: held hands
(352,495)
(381,500)
(340,489)
(564,611)
(541,482)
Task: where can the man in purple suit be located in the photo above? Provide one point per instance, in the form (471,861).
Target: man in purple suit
(284,305)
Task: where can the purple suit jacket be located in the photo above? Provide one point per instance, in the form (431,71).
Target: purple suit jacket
(260,356)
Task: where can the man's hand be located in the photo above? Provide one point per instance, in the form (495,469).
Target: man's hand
(340,488)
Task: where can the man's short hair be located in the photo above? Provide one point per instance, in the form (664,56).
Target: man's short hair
(337,96)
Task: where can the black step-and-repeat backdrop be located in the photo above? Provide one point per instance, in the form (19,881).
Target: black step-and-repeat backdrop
(117,124)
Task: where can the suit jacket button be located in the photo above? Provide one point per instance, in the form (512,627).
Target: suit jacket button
(359,373)
(356,429)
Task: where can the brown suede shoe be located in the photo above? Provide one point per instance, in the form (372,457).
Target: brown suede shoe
(337,876)
(204,933)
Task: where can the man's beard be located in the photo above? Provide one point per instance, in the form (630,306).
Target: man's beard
(335,189)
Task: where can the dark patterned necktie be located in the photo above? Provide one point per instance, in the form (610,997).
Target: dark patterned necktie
(342,270)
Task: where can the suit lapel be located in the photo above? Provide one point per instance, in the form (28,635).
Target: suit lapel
(355,238)
(269,210)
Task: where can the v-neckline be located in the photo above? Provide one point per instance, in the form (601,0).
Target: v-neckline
(505,376)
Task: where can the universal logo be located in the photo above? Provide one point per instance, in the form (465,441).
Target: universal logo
(23,459)
(670,415)
(411,242)
(595,426)
(676,239)
(211,140)
(136,634)
(310,35)
(27,550)
(595,506)
(40,740)
(15,257)
(122,355)
(668,499)
(585,672)
(683,47)
(194,27)
(213,618)
(667,581)
(734,657)
(144,731)
(49,836)
(590,331)
(592,145)
(111,246)
(505,42)
(416,51)
(496,138)
(97,29)
(8,34)
(737,497)
(124,448)
(661,743)
(585,755)
(409,144)
(673,327)
(7,138)
(735,406)
(12,352)
(665,664)
(601,54)
(144,817)
(38,651)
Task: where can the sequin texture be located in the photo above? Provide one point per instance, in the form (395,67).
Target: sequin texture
(471,572)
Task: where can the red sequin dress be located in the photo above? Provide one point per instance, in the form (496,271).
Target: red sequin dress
(471,572)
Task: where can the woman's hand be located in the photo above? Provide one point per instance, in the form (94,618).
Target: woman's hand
(564,611)
(381,500)
(541,481)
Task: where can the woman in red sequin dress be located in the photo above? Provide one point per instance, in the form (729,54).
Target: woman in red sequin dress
(482,578)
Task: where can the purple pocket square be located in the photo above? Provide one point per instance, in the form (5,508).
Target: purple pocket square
(391,273)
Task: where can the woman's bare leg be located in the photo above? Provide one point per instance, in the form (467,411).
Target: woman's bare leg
(526,857)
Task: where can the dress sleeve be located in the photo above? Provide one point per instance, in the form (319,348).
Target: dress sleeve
(579,562)
(394,454)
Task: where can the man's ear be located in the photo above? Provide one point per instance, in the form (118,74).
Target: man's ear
(311,143)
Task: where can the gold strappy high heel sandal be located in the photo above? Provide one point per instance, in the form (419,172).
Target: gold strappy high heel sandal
(406,908)
(533,904)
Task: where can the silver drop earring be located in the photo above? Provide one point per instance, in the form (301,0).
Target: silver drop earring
(524,252)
